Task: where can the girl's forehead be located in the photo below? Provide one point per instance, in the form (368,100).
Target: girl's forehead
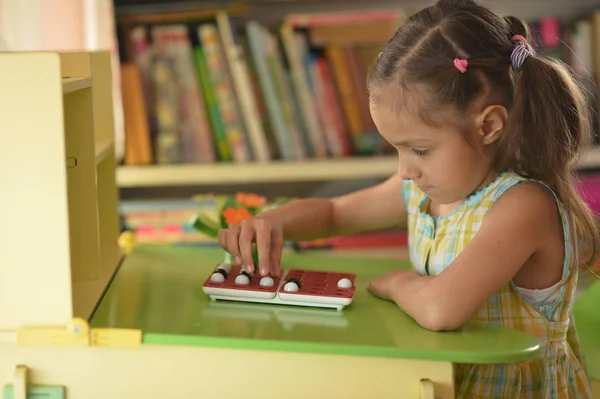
(407,129)
(412,105)
(402,123)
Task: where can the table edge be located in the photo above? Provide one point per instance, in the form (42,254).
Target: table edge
(351,350)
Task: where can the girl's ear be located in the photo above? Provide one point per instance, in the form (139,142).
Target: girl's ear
(491,123)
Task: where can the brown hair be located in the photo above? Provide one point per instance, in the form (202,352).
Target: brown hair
(548,115)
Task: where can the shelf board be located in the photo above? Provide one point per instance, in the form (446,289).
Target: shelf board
(275,172)
(71,85)
(103,148)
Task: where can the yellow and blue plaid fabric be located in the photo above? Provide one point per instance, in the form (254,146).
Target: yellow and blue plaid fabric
(434,243)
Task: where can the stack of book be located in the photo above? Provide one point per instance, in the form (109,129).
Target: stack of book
(216,90)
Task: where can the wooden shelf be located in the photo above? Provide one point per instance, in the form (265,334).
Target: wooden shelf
(71,85)
(276,172)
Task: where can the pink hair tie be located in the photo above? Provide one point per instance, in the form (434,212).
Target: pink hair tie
(461,64)
(520,38)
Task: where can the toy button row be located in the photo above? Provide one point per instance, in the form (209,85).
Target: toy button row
(293,285)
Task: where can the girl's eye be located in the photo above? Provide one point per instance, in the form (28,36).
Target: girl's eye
(418,152)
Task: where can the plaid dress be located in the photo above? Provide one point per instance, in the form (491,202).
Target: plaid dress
(559,372)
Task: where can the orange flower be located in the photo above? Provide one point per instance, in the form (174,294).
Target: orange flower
(250,200)
(235,216)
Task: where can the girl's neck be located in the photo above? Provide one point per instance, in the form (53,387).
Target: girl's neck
(492,174)
(441,210)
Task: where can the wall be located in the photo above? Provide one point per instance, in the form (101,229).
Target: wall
(62,24)
(33,25)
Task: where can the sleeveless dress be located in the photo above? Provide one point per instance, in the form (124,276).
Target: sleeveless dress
(559,372)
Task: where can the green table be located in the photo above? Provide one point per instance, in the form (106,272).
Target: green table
(158,289)
(587,319)
(170,308)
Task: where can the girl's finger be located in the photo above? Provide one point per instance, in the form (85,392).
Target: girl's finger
(223,239)
(245,243)
(263,245)
(232,244)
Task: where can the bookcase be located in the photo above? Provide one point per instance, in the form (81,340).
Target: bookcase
(246,33)
(59,202)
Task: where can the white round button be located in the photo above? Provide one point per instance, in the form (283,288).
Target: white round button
(290,287)
(225,267)
(217,278)
(266,282)
(344,283)
(242,279)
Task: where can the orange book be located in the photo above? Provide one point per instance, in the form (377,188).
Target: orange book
(359,82)
(138,149)
(343,79)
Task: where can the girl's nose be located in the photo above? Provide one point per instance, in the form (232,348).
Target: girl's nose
(408,171)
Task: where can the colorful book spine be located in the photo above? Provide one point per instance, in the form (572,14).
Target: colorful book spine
(301,88)
(341,72)
(218,128)
(268,90)
(236,59)
(217,66)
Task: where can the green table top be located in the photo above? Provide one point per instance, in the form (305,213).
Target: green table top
(158,289)
(587,319)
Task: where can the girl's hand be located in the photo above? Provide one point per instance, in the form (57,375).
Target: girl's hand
(388,285)
(268,236)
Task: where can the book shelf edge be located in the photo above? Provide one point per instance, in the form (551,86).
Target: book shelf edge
(71,85)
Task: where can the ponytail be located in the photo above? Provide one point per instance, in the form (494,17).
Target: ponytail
(548,125)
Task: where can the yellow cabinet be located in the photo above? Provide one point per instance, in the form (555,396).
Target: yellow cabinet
(58,209)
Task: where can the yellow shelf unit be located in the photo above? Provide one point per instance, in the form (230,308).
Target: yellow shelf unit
(59,202)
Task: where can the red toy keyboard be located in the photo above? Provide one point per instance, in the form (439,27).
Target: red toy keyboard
(296,287)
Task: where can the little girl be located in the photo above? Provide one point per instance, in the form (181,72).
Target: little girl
(487,133)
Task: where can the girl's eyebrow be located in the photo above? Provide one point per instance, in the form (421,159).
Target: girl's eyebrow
(411,142)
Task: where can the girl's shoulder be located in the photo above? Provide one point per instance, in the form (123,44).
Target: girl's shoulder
(523,189)
(503,183)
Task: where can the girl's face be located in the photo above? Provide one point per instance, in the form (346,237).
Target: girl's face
(440,161)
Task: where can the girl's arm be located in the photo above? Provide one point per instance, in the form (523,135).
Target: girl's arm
(519,225)
(374,208)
